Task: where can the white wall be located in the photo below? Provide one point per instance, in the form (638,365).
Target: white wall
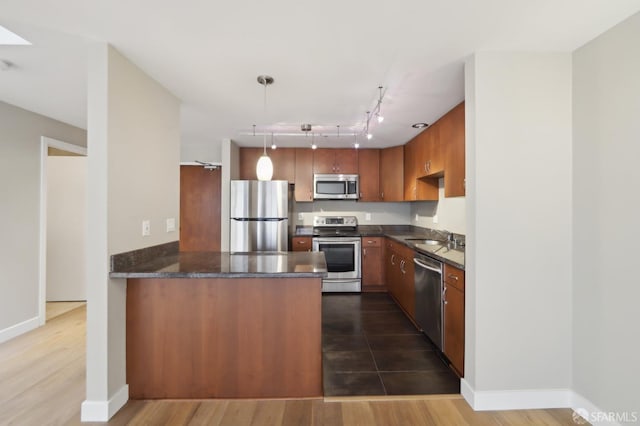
(209,151)
(134,174)
(66,228)
(519,196)
(230,170)
(606,211)
(450,212)
(19,211)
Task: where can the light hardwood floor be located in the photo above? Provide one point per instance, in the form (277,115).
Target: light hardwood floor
(55,309)
(42,382)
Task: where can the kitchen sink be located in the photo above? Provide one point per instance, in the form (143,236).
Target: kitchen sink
(426,242)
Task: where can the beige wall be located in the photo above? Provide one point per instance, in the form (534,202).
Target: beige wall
(381,213)
(19,211)
(519,229)
(134,154)
(66,228)
(606,210)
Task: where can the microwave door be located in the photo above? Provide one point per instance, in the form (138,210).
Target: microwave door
(329,188)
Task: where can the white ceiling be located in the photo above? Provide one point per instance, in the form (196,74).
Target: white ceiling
(327,57)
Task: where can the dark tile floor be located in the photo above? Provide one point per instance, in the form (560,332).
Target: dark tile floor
(369,347)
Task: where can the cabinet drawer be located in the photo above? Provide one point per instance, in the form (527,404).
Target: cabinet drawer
(454,276)
(301,244)
(371,242)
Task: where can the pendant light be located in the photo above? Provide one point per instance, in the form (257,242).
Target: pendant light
(264,168)
(369,135)
(379,112)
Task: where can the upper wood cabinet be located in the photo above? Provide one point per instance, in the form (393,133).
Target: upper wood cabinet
(416,187)
(303,175)
(283,160)
(452,136)
(431,155)
(369,171)
(327,160)
(392,173)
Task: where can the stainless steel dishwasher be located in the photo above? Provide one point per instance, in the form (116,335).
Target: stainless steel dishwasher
(428,282)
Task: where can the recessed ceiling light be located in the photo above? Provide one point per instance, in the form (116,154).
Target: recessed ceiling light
(419,125)
(9,38)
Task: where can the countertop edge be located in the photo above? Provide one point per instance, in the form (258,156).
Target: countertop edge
(169,275)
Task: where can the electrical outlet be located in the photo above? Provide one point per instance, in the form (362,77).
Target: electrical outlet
(146,228)
(300,216)
(367,216)
(435,218)
(171,224)
(417,217)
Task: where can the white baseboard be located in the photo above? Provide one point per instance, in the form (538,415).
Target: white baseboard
(516,399)
(18,329)
(102,411)
(595,416)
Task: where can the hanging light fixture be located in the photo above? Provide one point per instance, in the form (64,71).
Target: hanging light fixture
(369,135)
(273,142)
(356,145)
(264,168)
(379,112)
(313,141)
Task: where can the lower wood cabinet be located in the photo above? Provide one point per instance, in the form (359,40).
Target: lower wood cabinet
(453,304)
(372,264)
(301,244)
(399,271)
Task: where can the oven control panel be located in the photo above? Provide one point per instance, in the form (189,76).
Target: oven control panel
(335,221)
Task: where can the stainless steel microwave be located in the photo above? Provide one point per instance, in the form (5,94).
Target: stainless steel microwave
(335,187)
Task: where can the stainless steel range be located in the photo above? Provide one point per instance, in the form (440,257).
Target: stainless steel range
(338,239)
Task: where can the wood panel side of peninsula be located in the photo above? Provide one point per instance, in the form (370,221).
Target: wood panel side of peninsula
(224,338)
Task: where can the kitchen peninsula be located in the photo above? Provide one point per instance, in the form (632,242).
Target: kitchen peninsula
(222,325)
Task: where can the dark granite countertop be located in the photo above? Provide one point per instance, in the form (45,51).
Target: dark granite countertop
(447,253)
(225,265)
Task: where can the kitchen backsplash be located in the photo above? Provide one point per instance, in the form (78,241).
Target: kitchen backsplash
(379,213)
(448,212)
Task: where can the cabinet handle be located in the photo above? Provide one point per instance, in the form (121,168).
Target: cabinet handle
(402,266)
(453,277)
(426,169)
(364,252)
(393,259)
(301,242)
(382,195)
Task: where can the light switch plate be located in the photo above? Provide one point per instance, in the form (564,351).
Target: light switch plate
(146,228)
(367,216)
(435,218)
(171,224)
(300,216)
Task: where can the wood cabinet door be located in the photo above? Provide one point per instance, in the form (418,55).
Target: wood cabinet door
(284,163)
(248,160)
(454,327)
(324,161)
(453,137)
(200,208)
(303,175)
(369,171)
(372,264)
(392,173)
(346,161)
(407,270)
(433,150)
(411,161)
(301,244)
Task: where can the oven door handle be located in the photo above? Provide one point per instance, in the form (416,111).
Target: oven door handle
(337,240)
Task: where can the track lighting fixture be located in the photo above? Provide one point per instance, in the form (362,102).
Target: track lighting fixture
(313,141)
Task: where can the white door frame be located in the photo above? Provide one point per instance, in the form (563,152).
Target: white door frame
(45,144)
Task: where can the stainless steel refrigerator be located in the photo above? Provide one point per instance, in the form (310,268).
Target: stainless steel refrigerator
(259,215)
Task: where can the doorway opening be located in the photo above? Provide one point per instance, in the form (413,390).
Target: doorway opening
(62,279)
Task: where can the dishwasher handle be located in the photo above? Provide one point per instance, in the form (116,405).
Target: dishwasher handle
(429,267)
